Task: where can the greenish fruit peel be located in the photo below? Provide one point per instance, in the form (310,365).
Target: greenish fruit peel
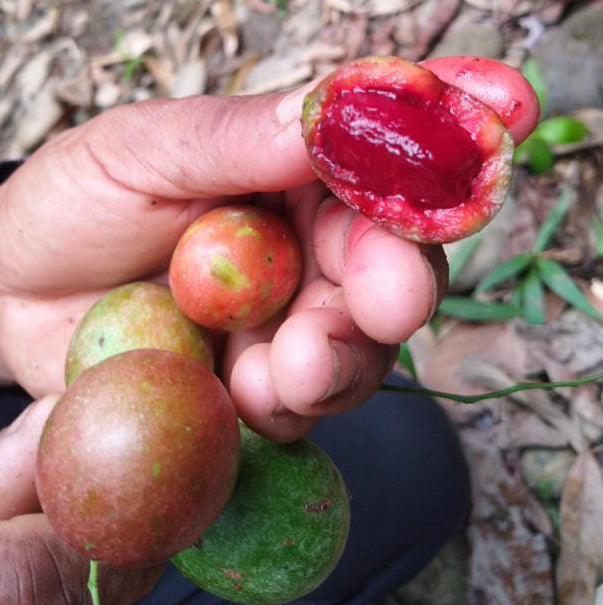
(283,530)
(139,315)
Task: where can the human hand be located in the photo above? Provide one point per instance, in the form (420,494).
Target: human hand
(105,203)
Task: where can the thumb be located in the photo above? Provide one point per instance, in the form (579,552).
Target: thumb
(203,146)
(18,450)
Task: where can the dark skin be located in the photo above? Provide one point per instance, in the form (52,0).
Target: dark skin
(105,203)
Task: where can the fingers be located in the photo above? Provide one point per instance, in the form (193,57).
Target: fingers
(317,362)
(38,568)
(203,146)
(257,402)
(321,363)
(496,84)
(391,286)
(18,451)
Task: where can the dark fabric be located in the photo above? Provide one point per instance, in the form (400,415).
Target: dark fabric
(7,167)
(409,487)
(13,401)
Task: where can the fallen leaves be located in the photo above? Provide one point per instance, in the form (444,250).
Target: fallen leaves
(510,532)
(581,532)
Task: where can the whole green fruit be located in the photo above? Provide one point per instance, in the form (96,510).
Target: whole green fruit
(139,315)
(138,457)
(282,531)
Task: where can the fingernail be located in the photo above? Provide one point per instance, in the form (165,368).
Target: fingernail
(435,301)
(346,367)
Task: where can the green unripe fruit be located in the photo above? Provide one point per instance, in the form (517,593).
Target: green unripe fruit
(139,315)
(282,531)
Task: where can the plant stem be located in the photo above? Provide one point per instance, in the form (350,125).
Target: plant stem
(93,582)
(521,386)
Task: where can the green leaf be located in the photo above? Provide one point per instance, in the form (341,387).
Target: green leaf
(534,76)
(552,221)
(506,270)
(476,310)
(536,153)
(557,279)
(459,260)
(406,361)
(533,299)
(561,130)
(517,295)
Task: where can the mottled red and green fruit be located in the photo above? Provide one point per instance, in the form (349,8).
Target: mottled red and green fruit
(139,315)
(235,267)
(418,156)
(138,457)
(283,530)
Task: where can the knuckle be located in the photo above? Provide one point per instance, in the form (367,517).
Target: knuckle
(37,573)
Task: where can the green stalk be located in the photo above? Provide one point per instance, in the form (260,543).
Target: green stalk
(521,386)
(93,582)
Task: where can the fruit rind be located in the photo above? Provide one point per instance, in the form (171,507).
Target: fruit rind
(137,315)
(235,267)
(393,212)
(138,457)
(282,531)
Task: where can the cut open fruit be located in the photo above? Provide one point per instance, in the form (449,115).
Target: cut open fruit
(420,157)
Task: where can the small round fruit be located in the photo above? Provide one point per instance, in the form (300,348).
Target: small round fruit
(139,315)
(418,156)
(282,531)
(235,267)
(138,457)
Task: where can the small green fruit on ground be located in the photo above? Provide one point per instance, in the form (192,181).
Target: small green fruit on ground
(139,315)
(138,457)
(235,267)
(282,531)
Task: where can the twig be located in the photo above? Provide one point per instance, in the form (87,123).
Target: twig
(521,386)
(93,582)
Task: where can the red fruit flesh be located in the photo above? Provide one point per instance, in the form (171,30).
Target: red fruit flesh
(418,156)
(390,142)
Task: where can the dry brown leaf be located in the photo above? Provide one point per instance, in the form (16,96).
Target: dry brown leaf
(510,563)
(355,40)
(571,345)
(11,64)
(418,28)
(228,25)
(581,532)
(449,366)
(373,8)
(44,26)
